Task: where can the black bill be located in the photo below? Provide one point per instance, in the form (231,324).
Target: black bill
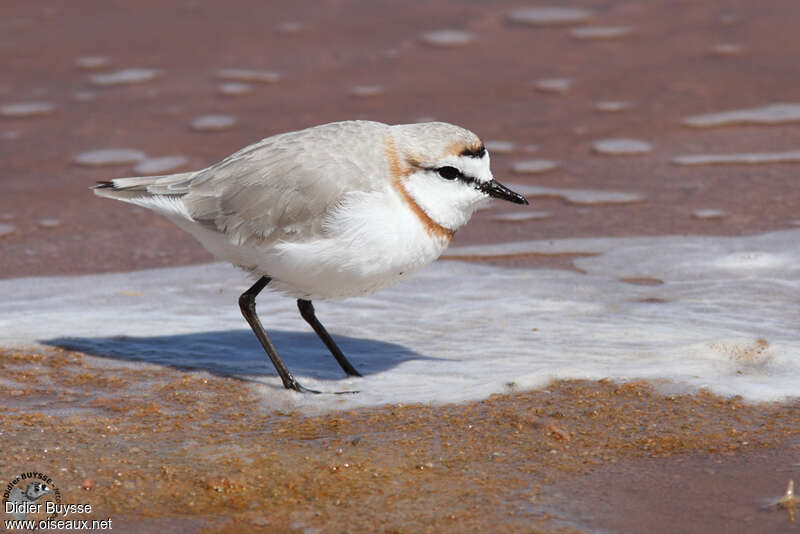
(497,190)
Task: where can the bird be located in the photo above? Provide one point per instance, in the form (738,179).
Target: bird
(33,492)
(328,212)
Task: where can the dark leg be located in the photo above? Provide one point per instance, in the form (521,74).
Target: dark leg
(247,303)
(307,311)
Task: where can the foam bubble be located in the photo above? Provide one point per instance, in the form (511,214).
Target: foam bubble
(612,106)
(601,32)
(291,27)
(125,76)
(447,38)
(622,147)
(728,49)
(500,147)
(748,262)
(49,223)
(208,123)
(27,109)
(578,196)
(6,229)
(234,88)
(708,214)
(162,165)
(553,85)
(249,75)
(84,96)
(92,62)
(534,166)
(521,216)
(367,91)
(548,16)
(109,156)
(739,159)
(770,114)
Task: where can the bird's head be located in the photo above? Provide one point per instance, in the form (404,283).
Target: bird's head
(444,170)
(36,490)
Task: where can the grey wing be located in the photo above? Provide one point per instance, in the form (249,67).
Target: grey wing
(282,187)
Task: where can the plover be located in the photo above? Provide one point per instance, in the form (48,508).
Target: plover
(329,212)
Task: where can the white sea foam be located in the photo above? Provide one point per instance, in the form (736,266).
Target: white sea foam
(709,213)
(125,77)
(553,85)
(109,156)
(234,88)
(249,75)
(92,62)
(367,91)
(792,156)
(27,109)
(725,318)
(291,27)
(521,216)
(578,196)
(213,123)
(601,32)
(728,49)
(447,38)
(612,106)
(49,223)
(84,96)
(622,147)
(771,114)
(534,166)
(548,16)
(154,166)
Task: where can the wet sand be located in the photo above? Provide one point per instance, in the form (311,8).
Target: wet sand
(666,69)
(572,456)
(198,453)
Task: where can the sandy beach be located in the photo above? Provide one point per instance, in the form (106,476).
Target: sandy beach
(699,102)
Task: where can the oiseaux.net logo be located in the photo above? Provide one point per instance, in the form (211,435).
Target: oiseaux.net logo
(32,501)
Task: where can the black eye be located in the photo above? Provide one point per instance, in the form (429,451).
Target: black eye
(448,173)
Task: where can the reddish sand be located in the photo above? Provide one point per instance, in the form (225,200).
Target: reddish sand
(163,443)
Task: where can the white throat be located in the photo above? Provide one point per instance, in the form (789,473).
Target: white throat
(448,204)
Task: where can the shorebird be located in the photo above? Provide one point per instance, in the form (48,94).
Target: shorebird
(329,212)
(23,501)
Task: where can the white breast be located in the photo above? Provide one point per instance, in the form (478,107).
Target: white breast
(370,241)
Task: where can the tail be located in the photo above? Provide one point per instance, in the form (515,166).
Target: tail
(159,193)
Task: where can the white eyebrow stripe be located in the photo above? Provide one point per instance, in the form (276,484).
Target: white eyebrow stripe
(476,168)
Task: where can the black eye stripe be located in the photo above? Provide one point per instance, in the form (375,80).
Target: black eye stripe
(449,173)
